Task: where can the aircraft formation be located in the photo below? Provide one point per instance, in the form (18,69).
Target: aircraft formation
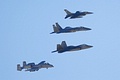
(60,48)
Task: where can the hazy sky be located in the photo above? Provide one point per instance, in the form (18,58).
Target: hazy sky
(24,36)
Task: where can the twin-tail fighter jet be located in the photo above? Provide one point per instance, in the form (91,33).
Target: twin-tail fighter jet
(64,48)
(33,67)
(58,29)
(77,14)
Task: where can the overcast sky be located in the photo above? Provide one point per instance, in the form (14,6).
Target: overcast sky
(24,36)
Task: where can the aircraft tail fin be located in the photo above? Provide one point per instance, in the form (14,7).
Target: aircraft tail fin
(55,28)
(67,12)
(24,63)
(19,68)
(58,26)
(59,47)
(63,44)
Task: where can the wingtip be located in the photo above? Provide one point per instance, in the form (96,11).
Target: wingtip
(65,9)
(54,51)
(52,32)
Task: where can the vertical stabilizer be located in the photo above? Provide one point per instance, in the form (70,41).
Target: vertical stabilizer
(59,47)
(55,28)
(24,63)
(58,26)
(19,68)
(63,44)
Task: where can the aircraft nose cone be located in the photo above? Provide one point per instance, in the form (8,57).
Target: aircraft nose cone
(52,66)
(89,29)
(89,12)
(90,46)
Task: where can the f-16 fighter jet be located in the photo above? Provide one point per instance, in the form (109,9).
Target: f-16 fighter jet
(64,48)
(33,67)
(77,14)
(58,29)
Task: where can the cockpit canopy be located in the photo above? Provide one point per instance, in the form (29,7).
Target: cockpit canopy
(77,12)
(68,27)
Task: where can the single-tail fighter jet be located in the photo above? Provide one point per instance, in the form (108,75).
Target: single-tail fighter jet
(34,67)
(64,48)
(58,29)
(77,14)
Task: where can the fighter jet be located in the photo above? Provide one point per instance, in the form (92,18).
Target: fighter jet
(58,29)
(77,14)
(64,48)
(34,67)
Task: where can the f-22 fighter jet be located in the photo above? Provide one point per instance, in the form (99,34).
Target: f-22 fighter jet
(64,48)
(77,14)
(58,29)
(33,67)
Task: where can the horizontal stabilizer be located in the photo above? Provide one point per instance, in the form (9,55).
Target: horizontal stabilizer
(54,51)
(67,12)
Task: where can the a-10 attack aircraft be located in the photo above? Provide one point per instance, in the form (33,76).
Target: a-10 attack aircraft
(58,29)
(33,67)
(64,48)
(77,14)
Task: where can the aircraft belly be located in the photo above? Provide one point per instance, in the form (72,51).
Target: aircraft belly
(80,16)
(73,30)
(75,49)
(26,67)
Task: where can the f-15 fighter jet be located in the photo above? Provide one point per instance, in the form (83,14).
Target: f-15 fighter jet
(33,67)
(77,14)
(64,48)
(58,29)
